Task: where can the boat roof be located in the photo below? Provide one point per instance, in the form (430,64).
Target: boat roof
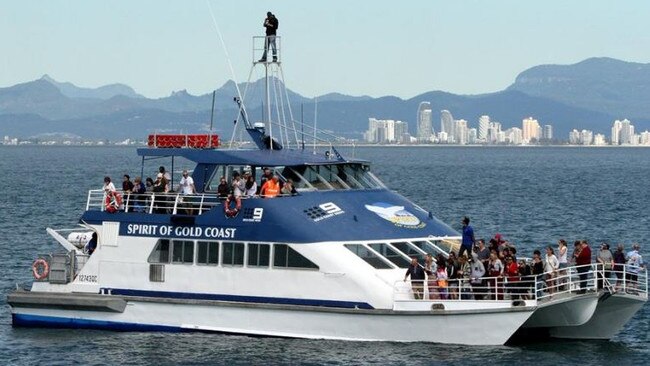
(255,157)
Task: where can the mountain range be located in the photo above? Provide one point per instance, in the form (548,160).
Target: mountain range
(587,95)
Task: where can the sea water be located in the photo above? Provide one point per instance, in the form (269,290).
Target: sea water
(532,196)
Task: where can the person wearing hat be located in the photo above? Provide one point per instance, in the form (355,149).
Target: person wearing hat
(634,265)
(605,261)
(271,24)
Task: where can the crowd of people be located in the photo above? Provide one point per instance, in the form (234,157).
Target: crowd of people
(242,185)
(493,271)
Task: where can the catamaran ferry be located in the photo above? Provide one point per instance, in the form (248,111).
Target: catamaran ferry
(324,261)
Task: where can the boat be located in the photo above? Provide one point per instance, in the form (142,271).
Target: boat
(320,262)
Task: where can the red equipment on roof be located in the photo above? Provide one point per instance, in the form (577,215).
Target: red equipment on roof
(189,141)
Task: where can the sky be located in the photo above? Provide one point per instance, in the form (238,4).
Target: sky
(356,47)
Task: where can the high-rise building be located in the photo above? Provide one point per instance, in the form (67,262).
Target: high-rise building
(425,128)
(386,131)
(627,133)
(530,129)
(472,136)
(447,123)
(616,132)
(574,137)
(599,139)
(493,133)
(483,127)
(460,131)
(548,132)
(644,138)
(586,137)
(514,136)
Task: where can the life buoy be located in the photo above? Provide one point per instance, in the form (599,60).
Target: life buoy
(36,269)
(113,201)
(228,209)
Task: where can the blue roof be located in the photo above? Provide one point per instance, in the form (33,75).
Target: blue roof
(284,157)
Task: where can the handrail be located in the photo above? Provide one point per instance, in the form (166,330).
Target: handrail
(544,287)
(169,203)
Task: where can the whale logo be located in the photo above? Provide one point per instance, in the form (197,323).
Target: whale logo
(396,214)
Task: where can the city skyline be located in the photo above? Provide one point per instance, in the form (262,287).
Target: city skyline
(158,47)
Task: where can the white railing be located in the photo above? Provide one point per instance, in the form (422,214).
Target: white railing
(562,283)
(165,203)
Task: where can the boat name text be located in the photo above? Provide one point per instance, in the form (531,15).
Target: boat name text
(192,232)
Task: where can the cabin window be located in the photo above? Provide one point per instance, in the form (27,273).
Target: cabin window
(183,251)
(427,247)
(160,253)
(390,254)
(286,257)
(258,255)
(207,252)
(368,256)
(408,249)
(233,254)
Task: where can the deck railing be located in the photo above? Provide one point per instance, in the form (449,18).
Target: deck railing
(165,203)
(564,282)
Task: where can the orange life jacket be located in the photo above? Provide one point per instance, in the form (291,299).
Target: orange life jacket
(270,189)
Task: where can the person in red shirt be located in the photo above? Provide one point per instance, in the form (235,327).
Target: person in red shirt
(583,260)
(512,273)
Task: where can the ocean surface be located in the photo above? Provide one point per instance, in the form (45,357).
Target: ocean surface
(532,196)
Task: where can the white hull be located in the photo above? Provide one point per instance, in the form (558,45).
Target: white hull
(564,312)
(611,315)
(474,327)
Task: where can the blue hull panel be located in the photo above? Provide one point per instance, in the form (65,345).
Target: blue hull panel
(39,321)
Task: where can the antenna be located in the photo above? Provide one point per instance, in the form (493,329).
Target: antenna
(315,120)
(214,92)
(302,125)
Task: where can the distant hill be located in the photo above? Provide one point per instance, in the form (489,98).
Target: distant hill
(587,95)
(607,85)
(104,92)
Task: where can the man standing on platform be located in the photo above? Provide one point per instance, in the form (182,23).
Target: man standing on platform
(271,24)
(416,272)
(468,239)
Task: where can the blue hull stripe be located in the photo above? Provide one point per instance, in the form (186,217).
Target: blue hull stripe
(236,298)
(26,320)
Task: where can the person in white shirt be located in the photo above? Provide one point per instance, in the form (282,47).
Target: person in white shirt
(550,267)
(186,185)
(108,185)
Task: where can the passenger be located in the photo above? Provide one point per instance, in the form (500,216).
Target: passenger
(606,261)
(167,176)
(452,275)
(634,264)
(186,188)
(238,185)
(551,264)
(443,284)
(288,188)
(417,277)
(138,190)
(159,188)
(527,281)
(149,184)
(477,272)
(92,244)
(494,245)
(463,275)
(127,185)
(495,270)
(108,185)
(267,176)
(250,186)
(271,188)
(511,271)
(619,265)
(468,238)
(538,271)
(583,261)
(562,252)
(223,189)
(483,253)
(430,269)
